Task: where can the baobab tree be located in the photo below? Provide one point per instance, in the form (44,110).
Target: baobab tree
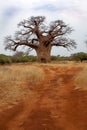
(35,34)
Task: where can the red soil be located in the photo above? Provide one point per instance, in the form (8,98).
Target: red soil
(52,105)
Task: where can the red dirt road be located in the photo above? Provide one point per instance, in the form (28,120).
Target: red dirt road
(52,105)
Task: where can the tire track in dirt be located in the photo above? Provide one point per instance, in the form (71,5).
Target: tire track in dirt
(52,105)
(9,114)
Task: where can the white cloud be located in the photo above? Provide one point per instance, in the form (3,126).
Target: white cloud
(70,11)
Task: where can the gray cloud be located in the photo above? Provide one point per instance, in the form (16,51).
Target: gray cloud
(10,11)
(73,12)
(47,7)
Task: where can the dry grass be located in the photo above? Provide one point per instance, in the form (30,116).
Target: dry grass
(15,80)
(9,74)
(81,78)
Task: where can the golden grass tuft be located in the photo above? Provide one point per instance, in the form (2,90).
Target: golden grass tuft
(13,77)
(80,80)
(16,74)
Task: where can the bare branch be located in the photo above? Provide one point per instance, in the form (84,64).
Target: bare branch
(12,44)
(59,28)
(33,33)
(33,40)
(66,43)
(25,24)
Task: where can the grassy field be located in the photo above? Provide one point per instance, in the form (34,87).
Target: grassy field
(17,79)
(33,94)
(81,78)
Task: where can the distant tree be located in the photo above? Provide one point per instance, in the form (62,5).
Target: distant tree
(53,58)
(34,34)
(5,59)
(19,54)
(81,56)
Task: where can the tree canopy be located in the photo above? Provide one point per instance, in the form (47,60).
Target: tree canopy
(37,35)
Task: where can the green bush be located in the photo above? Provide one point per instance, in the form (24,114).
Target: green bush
(54,58)
(16,59)
(81,56)
(5,59)
(33,58)
(24,59)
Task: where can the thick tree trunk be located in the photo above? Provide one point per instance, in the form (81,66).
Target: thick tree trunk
(43,54)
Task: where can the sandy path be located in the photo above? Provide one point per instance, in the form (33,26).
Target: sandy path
(52,105)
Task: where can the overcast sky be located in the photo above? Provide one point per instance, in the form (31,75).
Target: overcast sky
(72,12)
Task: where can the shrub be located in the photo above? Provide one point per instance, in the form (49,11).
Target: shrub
(54,58)
(5,59)
(81,56)
(24,59)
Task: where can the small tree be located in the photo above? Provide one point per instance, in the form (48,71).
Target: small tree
(34,34)
(19,54)
(80,56)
